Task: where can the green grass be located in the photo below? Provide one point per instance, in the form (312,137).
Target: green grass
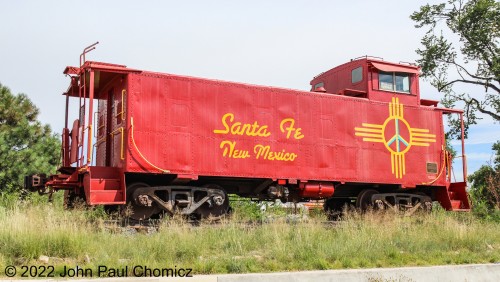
(81,237)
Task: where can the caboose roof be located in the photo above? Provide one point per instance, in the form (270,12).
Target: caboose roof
(390,67)
(105,73)
(378,64)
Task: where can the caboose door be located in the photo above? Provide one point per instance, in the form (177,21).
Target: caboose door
(116,124)
(110,129)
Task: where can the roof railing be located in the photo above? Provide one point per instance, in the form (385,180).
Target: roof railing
(368,57)
(407,63)
(85,51)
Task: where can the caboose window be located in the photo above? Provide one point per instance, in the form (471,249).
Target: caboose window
(318,85)
(402,82)
(386,81)
(357,75)
(394,81)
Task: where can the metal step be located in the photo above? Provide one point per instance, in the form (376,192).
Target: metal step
(455,204)
(103,197)
(103,186)
(458,196)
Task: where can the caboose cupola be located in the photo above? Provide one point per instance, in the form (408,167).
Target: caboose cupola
(373,79)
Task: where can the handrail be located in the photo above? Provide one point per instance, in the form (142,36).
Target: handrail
(447,159)
(98,127)
(122,157)
(85,51)
(95,119)
(99,141)
(462,136)
(117,131)
(122,113)
(113,133)
(443,165)
(90,148)
(138,151)
(81,145)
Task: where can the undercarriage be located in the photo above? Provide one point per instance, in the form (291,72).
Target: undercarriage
(146,201)
(408,202)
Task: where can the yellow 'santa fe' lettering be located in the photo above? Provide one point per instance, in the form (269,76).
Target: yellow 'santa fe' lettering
(238,128)
(231,152)
(266,154)
(291,122)
(261,152)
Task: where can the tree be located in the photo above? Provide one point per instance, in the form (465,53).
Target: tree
(26,146)
(475,61)
(485,189)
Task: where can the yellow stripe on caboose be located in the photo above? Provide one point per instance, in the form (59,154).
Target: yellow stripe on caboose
(370,132)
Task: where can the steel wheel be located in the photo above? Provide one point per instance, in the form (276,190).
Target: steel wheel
(215,208)
(364,199)
(426,205)
(134,210)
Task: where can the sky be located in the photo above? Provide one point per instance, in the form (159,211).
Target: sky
(276,43)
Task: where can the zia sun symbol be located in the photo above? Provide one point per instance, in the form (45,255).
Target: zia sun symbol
(397,136)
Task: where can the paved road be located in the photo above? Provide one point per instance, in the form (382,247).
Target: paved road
(455,273)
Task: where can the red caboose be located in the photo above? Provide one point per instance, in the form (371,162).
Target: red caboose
(169,143)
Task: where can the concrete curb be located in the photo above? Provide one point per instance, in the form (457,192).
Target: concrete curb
(470,272)
(475,272)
